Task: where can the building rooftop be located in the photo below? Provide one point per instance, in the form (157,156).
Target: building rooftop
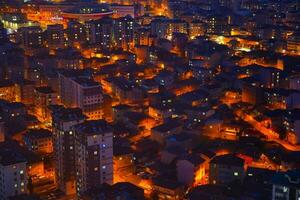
(194,96)
(122,150)
(75,73)
(176,150)
(228,159)
(122,107)
(44,90)
(136,116)
(86,82)
(122,83)
(169,184)
(89,8)
(172,124)
(38,134)
(281,91)
(94,127)
(195,159)
(205,192)
(68,114)
(10,154)
(290,178)
(180,137)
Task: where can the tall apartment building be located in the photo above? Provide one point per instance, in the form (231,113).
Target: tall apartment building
(76,33)
(164,28)
(225,169)
(13,173)
(100,32)
(55,36)
(124,32)
(63,121)
(286,185)
(196,28)
(142,36)
(3,33)
(12,62)
(217,24)
(81,92)
(94,154)
(31,37)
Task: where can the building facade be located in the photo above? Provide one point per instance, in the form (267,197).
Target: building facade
(94,154)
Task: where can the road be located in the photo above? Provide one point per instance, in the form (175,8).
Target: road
(270,134)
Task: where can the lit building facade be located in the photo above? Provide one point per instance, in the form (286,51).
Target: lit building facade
(101,32)
(31,37)
(13,175)
(39,141)
(94,154)
(286,185)
(124,32)
(63,121)
(82,93)
(225,169)
(55,36)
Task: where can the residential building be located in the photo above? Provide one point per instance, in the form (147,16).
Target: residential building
(13,173)
(286,185)
(94,154)
(39,141)
(63,121)
(225,169)
(81,92)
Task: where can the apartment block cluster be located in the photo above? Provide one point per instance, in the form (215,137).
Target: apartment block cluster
(150,99)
